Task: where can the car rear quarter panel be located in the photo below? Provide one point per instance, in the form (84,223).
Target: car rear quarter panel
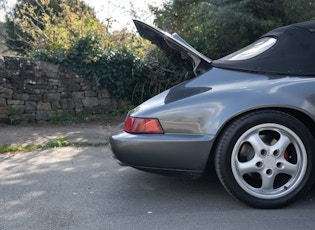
(230,94)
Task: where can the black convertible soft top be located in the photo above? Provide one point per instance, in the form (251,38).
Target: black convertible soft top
(292,54)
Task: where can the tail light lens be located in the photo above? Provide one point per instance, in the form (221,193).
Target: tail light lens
(142,125)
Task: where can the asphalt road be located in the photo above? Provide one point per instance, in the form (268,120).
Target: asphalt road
(84,188)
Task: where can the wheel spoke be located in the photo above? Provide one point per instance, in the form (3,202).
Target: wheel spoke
(282,144)
(288,168)
(256,142)
(267,182)
(246,167)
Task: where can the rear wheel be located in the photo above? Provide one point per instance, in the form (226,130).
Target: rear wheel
(265,159)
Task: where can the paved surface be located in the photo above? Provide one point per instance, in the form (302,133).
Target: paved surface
(40,133)
(84,188)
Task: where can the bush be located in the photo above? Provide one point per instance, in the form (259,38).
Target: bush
(68,33)
(117,69)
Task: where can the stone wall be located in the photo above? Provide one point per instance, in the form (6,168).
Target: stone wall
(35,90)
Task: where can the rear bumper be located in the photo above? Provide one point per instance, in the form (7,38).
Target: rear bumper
(168,152)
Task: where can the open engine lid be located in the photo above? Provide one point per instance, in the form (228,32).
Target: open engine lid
(288,50)
(175,46)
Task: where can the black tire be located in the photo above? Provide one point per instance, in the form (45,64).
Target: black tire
(265,159)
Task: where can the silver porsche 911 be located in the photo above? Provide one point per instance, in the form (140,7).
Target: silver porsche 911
(251,115)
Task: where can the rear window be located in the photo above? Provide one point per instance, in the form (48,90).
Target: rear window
(251,50)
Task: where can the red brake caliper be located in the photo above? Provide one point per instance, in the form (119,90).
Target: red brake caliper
(286,155)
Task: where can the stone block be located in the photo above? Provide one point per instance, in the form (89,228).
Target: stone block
(90,94)
(53,82)
(45,115)
(78,79)
(95,110)
(28,117)
(44,106)
(4,74)
(30,81)
(61,90)
(90,101)
(55,105)
(3,102)
(30,107)
(15,73)
(86,88)
(52,75)
(17,80)
(2,66)
(16,109)
(66,95)
(4,111)
(67,104)
(78,111)
(103,93)
(36,97)
(15,102)
(74,87)
(18,63)
(21,96)
(28,74)
(52,97)
(48,67)
(6,93)
(78,95)
(78,104)
(106,102)
(30,89)
(62,113)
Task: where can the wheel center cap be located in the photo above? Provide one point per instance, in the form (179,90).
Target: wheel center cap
(269,162)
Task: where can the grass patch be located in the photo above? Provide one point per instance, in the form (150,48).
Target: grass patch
(59,142)
(56,143)
(4,148)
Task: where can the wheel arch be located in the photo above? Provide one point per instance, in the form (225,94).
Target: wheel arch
(299,115)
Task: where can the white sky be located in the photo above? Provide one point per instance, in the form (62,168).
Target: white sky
(118,10)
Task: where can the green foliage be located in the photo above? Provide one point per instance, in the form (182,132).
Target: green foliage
(5,148)
(155,76)
(13,117)
(56,143)
(59,142)
(117,69)
(67,33)
(48,25)
(217,27)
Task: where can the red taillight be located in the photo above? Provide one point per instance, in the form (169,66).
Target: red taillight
(142,125)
